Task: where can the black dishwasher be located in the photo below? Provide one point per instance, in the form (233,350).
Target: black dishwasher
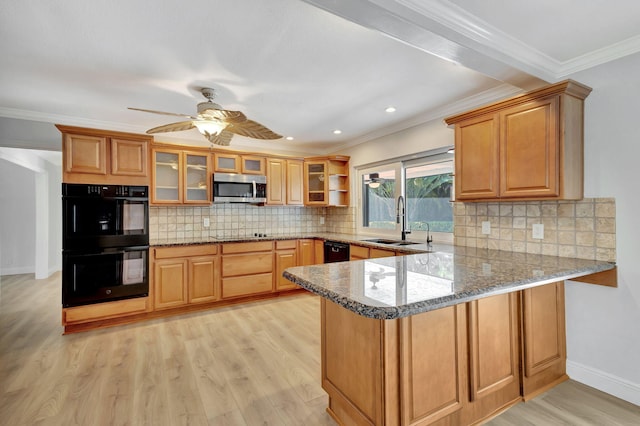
(335,252)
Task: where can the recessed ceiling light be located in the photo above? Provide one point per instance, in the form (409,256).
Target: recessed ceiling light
(337,132)
(390,109)
(289,138)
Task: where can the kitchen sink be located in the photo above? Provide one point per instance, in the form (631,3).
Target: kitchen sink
(390,242)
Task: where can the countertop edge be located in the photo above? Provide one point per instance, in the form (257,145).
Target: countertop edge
(388,312)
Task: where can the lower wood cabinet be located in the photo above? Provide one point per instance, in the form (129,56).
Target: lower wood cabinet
(286,256)
(185,275)
(457,365)
(247,268)
(543,339)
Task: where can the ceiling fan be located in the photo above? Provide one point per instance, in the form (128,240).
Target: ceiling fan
(216,124)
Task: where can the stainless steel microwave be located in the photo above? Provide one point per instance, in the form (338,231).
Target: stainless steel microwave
(239,188)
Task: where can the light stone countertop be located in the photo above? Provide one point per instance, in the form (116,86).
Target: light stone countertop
(401,286)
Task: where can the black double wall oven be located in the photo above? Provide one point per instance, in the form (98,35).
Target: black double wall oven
(105,244)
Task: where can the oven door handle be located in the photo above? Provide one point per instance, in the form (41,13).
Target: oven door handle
(255,189)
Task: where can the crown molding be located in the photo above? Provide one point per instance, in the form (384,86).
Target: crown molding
(468,25)
(488,96)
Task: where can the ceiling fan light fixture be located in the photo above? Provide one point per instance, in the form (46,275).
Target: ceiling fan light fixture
(210,127)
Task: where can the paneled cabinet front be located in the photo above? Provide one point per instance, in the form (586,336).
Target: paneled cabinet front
(185,275)
(180,177)
(101,157)
(247,269)
(529,147)
(284,181)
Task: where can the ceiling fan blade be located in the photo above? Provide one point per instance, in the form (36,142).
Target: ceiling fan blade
(161,112)
(173,127)
(252,129)
(224,115)
(224,138)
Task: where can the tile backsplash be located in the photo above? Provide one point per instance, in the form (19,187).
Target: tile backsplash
(584,229)
(232,221)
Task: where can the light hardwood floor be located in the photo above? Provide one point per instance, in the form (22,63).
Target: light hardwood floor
(256,364)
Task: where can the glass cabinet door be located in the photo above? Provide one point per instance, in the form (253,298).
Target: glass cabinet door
(167,177)
(316,179)
(196,178)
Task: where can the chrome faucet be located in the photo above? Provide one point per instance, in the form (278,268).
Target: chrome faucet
(429,237)
(402,214)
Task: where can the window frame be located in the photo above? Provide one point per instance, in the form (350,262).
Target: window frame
(400,167)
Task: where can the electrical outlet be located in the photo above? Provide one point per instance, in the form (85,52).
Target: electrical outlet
(206,222)
(321,220)
(486,269)
(538,231)
(486,227)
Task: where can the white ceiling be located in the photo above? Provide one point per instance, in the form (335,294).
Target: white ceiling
(302,68)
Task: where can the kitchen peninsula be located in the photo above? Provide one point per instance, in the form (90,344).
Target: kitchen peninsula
(449,337)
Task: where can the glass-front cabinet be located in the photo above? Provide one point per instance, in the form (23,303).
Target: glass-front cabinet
(326,181)
(180,177)
(316,183)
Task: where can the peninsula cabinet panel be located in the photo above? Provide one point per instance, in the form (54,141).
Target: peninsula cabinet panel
(477,158)
(434,366)
(544,339)
(170,280)
(352,360)
(494,375)
(203,278)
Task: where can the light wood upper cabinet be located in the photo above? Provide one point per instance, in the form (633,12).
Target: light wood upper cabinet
(129,158)
(295,187)
(180,177)
(252,165)
(85,154)
(326,181)
(101,157)
(226,163)
(529,147)
(238,163)
(284,181)
(477,158)
(276,181)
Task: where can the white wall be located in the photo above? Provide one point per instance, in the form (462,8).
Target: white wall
(17,219)
(603,324)
(30,212)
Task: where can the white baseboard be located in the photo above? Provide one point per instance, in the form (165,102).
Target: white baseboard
(605,382)
(17,270)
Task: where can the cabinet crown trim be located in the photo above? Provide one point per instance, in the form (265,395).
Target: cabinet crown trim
(568,87)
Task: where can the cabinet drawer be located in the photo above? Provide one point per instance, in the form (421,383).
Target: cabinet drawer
(106,310)
(286,244)
(376,253)
(184,251)
(231,248)
(243,286)
(247,264)
(359,252)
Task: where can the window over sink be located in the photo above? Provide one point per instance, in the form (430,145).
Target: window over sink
(426,183)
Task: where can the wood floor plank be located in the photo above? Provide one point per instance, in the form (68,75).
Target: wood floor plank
(242,365)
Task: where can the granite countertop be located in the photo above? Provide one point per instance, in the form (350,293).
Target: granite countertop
(395,287)
(416,247)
